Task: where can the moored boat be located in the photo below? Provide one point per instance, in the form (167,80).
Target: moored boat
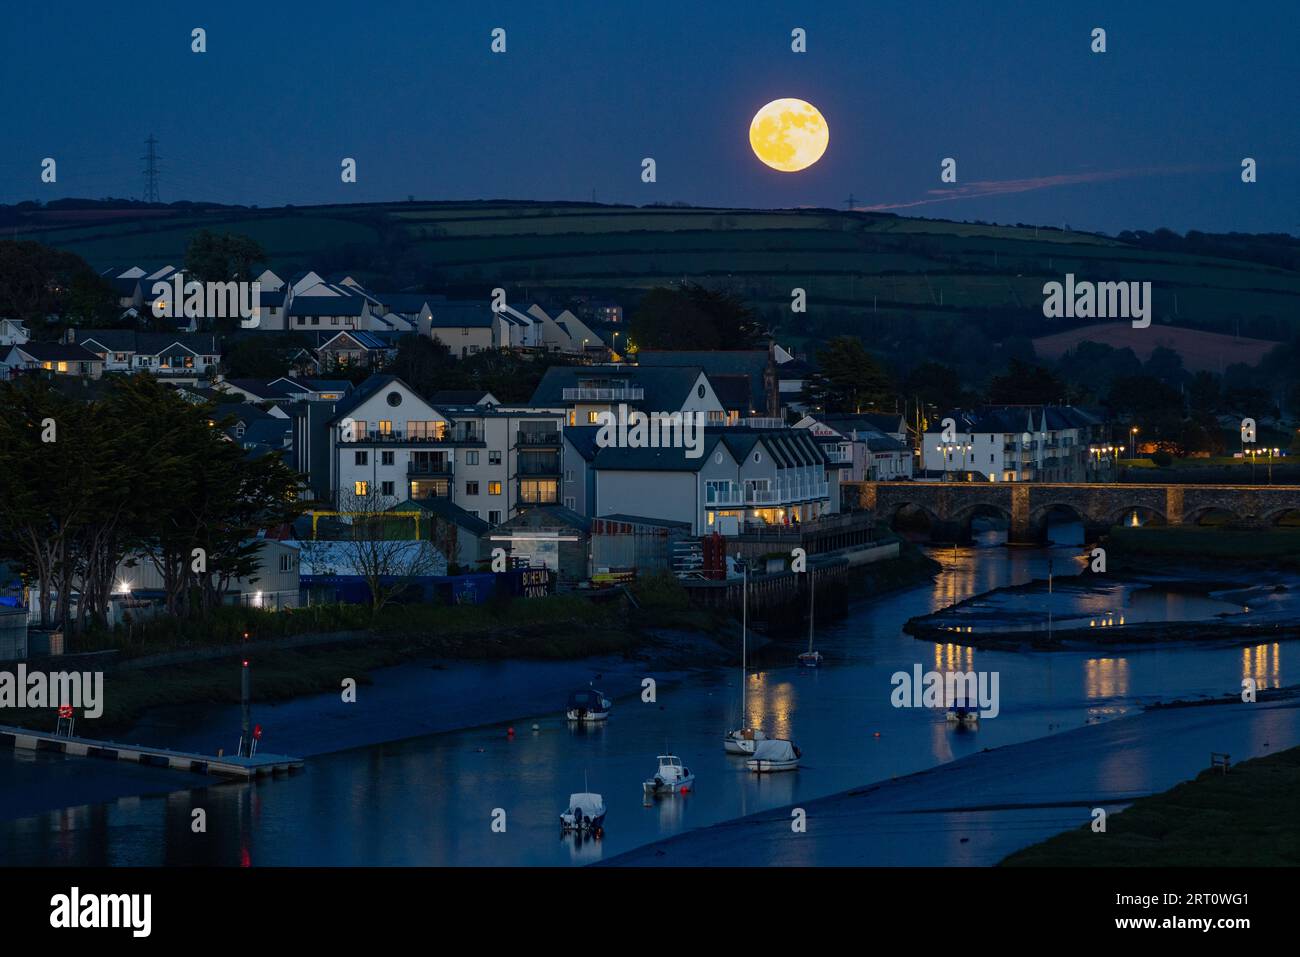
(964,714)
(776,754)
(588,705)
(742,740)
(585,814)
(671,778)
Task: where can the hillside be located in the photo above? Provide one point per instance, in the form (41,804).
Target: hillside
(897,281)
(1209,351)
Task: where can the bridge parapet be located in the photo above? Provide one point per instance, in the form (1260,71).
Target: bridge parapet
(1025,505)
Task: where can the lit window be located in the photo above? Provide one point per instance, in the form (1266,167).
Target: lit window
(593,418)
(494,488)
(361,488)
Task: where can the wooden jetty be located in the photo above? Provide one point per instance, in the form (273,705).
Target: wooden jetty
(231,766)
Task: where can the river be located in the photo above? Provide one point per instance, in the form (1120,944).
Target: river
(432,800)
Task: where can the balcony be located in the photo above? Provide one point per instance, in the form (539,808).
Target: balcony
(611,394)
(538,439)
(545,469)
(440,469)
(722,497)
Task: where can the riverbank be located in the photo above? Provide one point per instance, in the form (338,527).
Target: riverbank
(977,810)
(1254,605)
(1243,818)
(1143,546)
(659,628)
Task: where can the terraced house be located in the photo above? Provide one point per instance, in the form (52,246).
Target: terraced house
(745,479)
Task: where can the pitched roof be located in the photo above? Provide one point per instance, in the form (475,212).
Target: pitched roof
(666,389)
(53,352)
(459,396)
(458,314)
(751,363)
(153,343)
(446,509)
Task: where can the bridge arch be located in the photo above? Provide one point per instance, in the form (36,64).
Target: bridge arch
(1145,515)
(1285,517)
(1212,515)
(963,520)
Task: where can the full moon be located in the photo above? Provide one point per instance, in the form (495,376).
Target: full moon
(789,135)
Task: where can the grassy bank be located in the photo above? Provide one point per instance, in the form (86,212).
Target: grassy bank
(556,627)
(1245,818)
(1281,545)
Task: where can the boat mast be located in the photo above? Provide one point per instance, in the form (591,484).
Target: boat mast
(812,602)
(744,648)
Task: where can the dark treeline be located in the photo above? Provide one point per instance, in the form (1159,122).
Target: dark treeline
(139,471)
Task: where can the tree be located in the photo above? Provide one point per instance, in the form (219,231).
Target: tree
(735,325)
(222,258)
(1203,393)
(139,470)
(424,364)
(377,550)
(669,319)
(38,280)
(1025,384)
(848,378)
(1166,365)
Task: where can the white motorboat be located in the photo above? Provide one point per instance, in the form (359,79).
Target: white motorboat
(585,814)
(964,714)
(776,754)
(671,778)
(743,739)
(589,705)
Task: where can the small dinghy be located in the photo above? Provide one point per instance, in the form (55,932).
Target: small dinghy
(774,755)
(585,815)
(671,778)
(589,705)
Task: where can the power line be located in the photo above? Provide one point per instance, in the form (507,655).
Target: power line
(151,171)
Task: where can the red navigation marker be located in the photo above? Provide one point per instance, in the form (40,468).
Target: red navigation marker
(65,711)
(257,732)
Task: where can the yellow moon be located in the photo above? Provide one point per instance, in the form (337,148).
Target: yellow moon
(789,135)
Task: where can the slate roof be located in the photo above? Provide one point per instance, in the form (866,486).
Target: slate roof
(152,343)
(1021,418)
(458,314)
(666,388)
(344,305)
(751,363)
(458,396)
(446,509)
(52,352)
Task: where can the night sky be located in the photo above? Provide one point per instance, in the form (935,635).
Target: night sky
(1149,134)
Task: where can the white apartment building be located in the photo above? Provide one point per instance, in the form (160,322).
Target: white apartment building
(388,441)
(1017,444)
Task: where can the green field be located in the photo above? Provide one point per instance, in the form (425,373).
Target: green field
(1245,818)
(861,271)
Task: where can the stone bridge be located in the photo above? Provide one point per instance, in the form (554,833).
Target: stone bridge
(1025,506)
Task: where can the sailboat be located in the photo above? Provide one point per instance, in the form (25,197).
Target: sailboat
(810,658)
(743,739)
